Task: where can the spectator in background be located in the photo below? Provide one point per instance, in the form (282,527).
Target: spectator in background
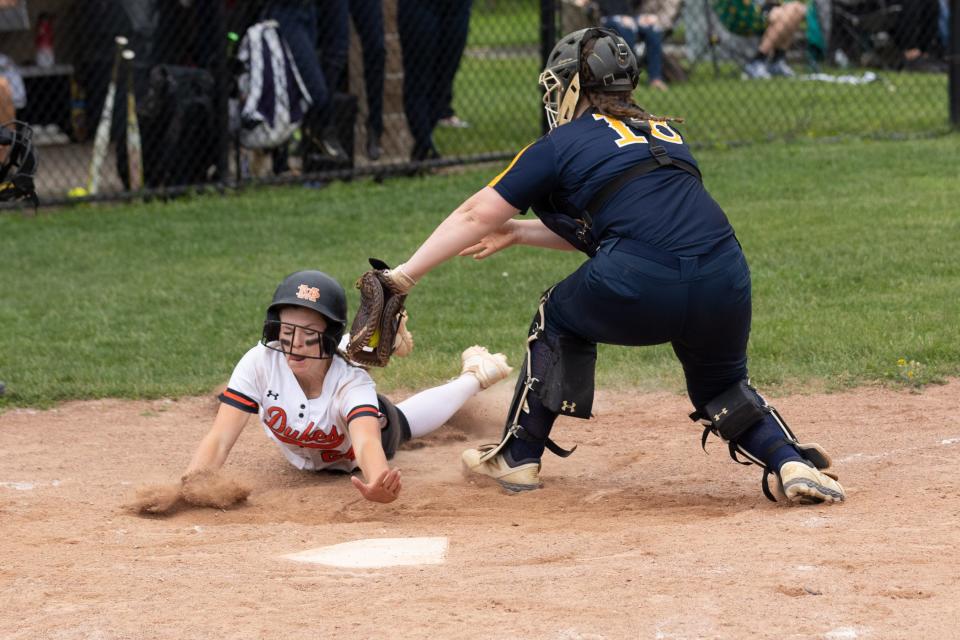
(775,23)
(297,20)
(622,17)
(433,34)
(916,35)
(334,44)
(7,110)
(943,24)
(13,94)
(458,43)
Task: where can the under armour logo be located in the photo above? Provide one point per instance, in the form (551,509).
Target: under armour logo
(308,293)
(271,394)
(716,418)
(568,406)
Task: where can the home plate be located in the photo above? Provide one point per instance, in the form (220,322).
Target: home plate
(374,553)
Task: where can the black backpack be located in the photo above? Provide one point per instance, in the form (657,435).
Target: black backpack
(178,127)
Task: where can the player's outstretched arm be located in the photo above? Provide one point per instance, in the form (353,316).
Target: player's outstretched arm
(382,483)
(216,445)
(481,214)
(532,233)
(201,485)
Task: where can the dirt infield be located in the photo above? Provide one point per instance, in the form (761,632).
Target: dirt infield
(637,535)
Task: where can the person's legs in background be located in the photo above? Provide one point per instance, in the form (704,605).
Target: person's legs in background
(419,28)
(368,20)
(943,24)
(333,41)
(916,33)
(653,39)
(7,112)
(456,27)
(298,26)
(783,22)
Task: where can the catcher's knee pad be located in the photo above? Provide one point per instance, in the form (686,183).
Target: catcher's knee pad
(562,378)
(397,429)
(738,409)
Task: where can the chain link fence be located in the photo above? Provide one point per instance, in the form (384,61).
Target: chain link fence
(134,97)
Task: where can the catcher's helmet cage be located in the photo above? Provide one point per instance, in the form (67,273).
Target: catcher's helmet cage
(20,166)
(312,290)
(612,64)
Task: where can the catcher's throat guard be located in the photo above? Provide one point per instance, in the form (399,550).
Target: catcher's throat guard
(19,167)
(380,319)
(739,408)
(566,388)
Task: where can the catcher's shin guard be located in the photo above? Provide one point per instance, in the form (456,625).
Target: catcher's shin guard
(731,414)
(560,390)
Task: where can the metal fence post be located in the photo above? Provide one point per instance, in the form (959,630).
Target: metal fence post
(548,38)
(953,58)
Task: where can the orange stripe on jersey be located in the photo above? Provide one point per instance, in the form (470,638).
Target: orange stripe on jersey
(243,401)
(494,182)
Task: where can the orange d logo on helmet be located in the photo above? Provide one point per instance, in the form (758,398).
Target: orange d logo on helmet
(305,292)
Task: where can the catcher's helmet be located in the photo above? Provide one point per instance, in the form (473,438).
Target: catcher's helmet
(612,65)
(312,290)
(20,166)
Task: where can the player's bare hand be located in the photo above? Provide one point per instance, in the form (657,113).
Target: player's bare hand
(500,239)
(384,489)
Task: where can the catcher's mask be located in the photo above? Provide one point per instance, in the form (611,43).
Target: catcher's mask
(20,166)
(312,290)
(612,64)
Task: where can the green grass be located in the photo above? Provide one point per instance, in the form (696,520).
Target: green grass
(852,248)
(501,100)
(504,23)
(496,91)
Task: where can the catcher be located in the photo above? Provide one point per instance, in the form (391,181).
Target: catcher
(318,406)
(664,265)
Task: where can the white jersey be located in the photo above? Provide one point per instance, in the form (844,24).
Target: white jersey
(311,432)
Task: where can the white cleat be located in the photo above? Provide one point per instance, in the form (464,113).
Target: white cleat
(489,368)
(523,477)
(803,484)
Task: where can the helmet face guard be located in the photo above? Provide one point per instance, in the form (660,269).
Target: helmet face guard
(612,65)
(295,340)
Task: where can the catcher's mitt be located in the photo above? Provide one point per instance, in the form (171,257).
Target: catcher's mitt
(379,328)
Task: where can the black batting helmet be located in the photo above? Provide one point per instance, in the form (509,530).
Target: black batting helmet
(612,65)
(312,290)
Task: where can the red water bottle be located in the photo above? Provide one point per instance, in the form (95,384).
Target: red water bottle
(44,40)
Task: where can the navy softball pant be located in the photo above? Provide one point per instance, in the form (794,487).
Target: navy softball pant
(700,305)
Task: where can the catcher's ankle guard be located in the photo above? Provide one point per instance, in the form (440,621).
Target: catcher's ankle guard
(561,391)
(733,412)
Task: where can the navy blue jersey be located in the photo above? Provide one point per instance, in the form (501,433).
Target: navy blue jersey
(667,208)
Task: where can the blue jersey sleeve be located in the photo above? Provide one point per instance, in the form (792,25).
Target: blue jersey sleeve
(530,177)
